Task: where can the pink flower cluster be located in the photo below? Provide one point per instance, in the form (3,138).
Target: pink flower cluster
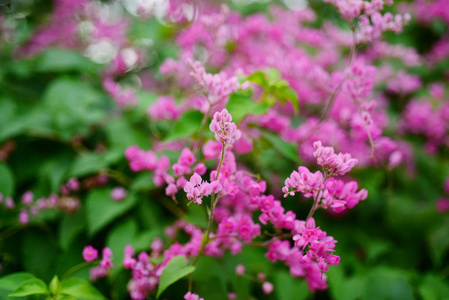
(164,109)
(145,275)
(327,191)
(217,87)
(196,189)
(140,160)
(123,97)
(31,207)
(428,117)
(90,254)
(225,131)
(371,22)
(334,164)
(192,296)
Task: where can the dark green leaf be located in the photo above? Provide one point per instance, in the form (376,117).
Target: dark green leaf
(143,182)
(101,209)
(288,150)
(288,287)
(126,233)
(439,242)
(175,269)
(70,227)
(88,163)
(6,180)
(43,260)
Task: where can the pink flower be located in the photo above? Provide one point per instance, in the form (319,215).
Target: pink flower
(240,270)
(191,296)
(27,198)
(24,218)
(90,253)
(267,287)
(118,194)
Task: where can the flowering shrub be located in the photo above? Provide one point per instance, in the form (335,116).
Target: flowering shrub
(200,150)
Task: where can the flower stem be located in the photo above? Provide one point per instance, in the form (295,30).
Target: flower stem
(206,237)
(201,134)
(75,268)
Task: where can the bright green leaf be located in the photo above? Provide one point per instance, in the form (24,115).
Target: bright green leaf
(434,287)
(258,78)
(13,281)
(73,107)
(187,125)
(241,105)
(80,289)
(54,285)
(175,269)
(32,286)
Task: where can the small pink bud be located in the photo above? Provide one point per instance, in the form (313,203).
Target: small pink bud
(267,287)
(240,270)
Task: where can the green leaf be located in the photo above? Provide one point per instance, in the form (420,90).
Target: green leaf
(288,150)
(434,287)
(121,134)
(240,105)
(88,163)
(70,226)
(54,285)
(271,82)
(285,93)
(439,242)
(175,269)
(80,289)
(54,170)
(73,107)
(394,283)
(6,180)
(288,287)
(258,78)
(187,125)
(32,286)
(126,233)
(44,258)
(101,209)
(13,281)
(143,182)
(63,60)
